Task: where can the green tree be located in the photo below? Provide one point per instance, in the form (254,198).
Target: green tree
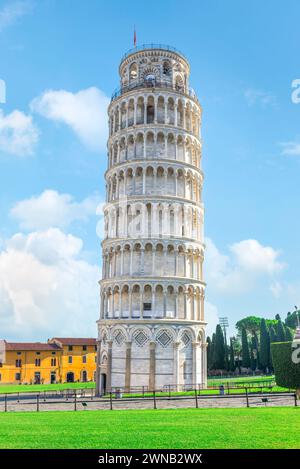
(291,319)
(231,357)
(245,350)
(273,335)
(250,323)
(289,334)
(264,346)
(209,354)
(219,349)
(281,336)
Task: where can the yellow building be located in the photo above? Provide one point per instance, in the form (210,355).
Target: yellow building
(59,360)
(79,357)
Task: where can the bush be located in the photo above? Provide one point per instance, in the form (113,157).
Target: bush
(287,373)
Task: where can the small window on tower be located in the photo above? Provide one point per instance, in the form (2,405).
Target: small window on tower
(167,69)
(147,307)
(133,72)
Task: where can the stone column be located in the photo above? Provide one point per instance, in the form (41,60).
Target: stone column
(109,366)
(165,303)
(128,366)
(141,301)
(152,369)
(98,368)
(130,302)
(204,365)
(176,369)
(196,361)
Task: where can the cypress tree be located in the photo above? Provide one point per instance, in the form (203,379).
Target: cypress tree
(219,349)
(280,332)
(273,335)
(252,360)
(254,363)
(289,336)
(209,357)
(231,357)
(264,346)
(212,353)
(245,350)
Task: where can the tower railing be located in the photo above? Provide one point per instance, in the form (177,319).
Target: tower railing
(153,84)
(153,46)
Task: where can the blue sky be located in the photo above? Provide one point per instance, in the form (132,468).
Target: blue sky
(59,60)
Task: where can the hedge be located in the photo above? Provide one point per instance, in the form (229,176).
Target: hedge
(287,373)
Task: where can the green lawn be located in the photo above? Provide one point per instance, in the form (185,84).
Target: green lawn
(240,380)
(182,428)
(13,388)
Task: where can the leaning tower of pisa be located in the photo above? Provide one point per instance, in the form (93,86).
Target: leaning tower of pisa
(151,330)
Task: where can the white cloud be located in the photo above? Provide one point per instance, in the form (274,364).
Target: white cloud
(255,96)
(253,256)
(290,148)
(85,112)
(12,11)
(46,288)
(18,134)
(238,272)
(53,209)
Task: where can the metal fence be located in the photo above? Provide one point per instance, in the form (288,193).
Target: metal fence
(154,83)
(83,399)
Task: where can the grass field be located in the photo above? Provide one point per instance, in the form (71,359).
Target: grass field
(13,388)
(181,428)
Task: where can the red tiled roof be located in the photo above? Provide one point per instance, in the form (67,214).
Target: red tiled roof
(26,346)
(73,341)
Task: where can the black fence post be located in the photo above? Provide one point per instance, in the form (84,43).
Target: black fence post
(196,399)
(5,403)
(295,397)
(169,391)
(247,397)
(37,402)
(110,400)
(75,401)
(154,400)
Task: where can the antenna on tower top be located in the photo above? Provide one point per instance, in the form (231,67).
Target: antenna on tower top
(134,37)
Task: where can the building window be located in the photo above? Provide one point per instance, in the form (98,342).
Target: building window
(70,348)
(37,362)
(18,363)
(53,353)
(70,359)
(38,353)
(19,353)
(95,348)
(18,376)
(53,361)
(84,359)
(147,307)
(84,348)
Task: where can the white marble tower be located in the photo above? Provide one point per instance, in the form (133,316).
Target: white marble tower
(151,329)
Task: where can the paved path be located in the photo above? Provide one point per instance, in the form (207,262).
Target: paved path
(30,404)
